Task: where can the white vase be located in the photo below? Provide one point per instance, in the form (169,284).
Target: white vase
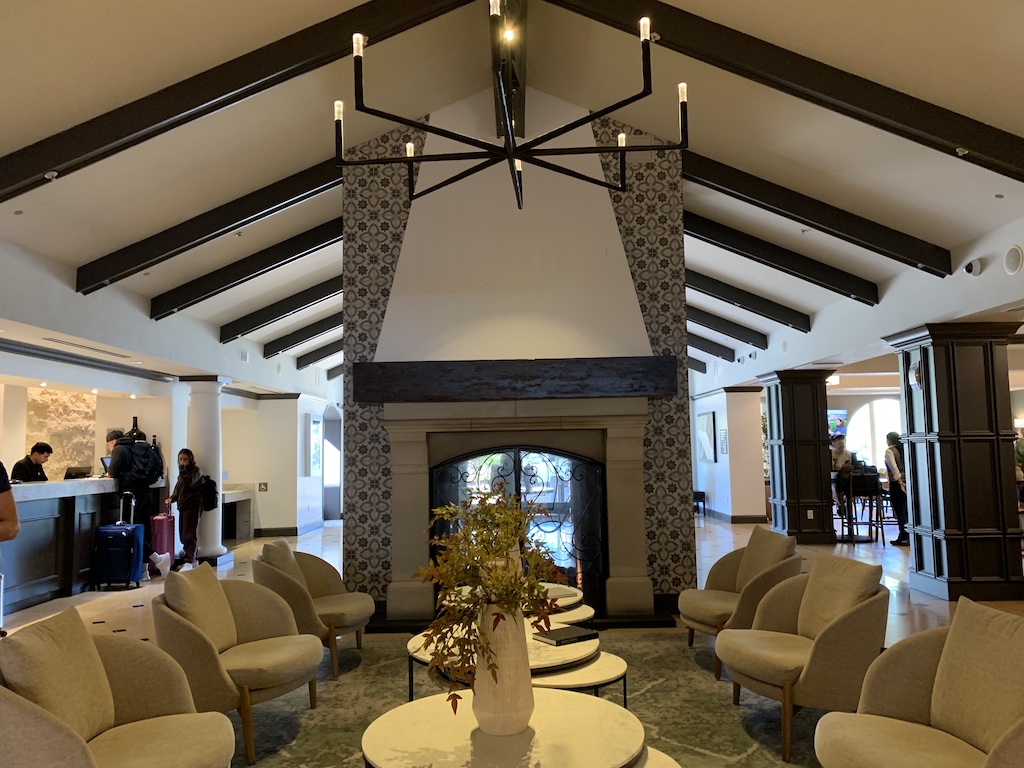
(504,707)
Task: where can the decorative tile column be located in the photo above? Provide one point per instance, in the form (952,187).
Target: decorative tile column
(798,452)
(958,449)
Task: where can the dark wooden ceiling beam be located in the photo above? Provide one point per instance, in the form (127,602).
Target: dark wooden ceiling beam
(210,91)
(301,336)
(696,365)
(308,359)
(821,84)
(335,372)
(826,218)
(205,227)
(243,270)
(751,302)
(710,347)
(280,309)
(782,259)
(726,327)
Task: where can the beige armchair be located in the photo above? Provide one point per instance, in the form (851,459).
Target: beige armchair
(321,603)
(237,643)
(736,584)
(77,701)
(813,638)
(944,698)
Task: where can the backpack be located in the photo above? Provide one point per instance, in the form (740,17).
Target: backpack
(211,496)
(147,462)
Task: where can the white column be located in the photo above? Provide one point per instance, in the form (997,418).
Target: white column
(204,440)
(178,439)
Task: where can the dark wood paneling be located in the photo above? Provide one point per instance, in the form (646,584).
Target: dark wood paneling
(475,380)
(33,561)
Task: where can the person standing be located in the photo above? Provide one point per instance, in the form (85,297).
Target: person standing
(897,487)
(188,493)
(30,469)
(127,466)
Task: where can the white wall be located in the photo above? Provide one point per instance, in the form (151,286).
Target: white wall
(548,281)
(267,445)
(154,419)
(735,483)
(13,418)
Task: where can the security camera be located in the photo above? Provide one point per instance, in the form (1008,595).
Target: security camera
(973,268)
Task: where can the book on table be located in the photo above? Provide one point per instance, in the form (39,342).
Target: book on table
(557,591)
(566,635)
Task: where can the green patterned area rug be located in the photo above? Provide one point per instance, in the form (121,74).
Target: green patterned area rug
(686,713)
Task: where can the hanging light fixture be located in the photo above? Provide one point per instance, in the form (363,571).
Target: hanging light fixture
(511,152)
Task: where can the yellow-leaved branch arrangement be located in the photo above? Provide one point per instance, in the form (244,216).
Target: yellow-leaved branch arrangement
(488,572)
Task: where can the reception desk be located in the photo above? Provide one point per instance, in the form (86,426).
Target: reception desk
(51,556)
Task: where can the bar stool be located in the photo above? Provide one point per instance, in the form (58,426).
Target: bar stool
(700,503)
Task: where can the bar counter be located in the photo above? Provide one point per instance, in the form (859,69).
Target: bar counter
(51,556)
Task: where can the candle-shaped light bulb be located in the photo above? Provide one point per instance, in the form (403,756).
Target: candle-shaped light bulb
(495,7)
(519,165)
(339,110)
(357,44)
(622,139)
(645,29)
(509,35)
(410,150)
(682,92)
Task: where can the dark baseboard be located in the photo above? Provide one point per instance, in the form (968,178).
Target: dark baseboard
(736,519)
(273,533)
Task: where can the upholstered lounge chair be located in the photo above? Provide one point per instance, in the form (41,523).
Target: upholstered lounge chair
(813,638)
(77,701)
(236,641)
(316,593)
(736,584)
(943,698)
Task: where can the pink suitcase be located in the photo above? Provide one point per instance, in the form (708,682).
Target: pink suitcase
(163,534)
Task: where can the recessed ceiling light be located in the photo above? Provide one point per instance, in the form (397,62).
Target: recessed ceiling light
(131,397)
(42,383)
(999,196)
(18,213)
(136,362)
(94,391)
(238,234)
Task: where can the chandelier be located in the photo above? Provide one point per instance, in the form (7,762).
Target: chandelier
(514,154)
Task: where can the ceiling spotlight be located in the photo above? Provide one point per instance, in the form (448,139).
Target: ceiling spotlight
(136,362)
(999,196)
(94,391)
(50,175)
(42,383)
(131,397)
(510,35)
(18,213)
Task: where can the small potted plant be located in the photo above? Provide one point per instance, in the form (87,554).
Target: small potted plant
(489,575)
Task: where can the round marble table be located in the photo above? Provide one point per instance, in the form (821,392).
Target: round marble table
(567,730)
(604,669)
(543,657)
(576,615)
(564,595)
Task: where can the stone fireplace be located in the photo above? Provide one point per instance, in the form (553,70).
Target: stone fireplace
(609,431)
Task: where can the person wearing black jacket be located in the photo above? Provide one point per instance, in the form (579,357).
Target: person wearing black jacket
(30,469)
(188,493)
(127,463)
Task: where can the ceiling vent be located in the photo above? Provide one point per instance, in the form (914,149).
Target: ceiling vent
(86,347)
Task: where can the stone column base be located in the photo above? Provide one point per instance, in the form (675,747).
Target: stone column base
(629,596)
(410,600)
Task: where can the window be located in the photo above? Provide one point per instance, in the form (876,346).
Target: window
(868,427)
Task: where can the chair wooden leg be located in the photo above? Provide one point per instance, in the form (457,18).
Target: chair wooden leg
(689,636)
(312,692)
(332,647)
(718,668)
(736,694)
(787,722)
(359,639)
(245,713)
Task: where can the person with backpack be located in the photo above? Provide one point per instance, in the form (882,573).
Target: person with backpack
(188,493)
(136,465)
(897,486)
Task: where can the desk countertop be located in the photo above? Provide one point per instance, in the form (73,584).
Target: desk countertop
(62,489)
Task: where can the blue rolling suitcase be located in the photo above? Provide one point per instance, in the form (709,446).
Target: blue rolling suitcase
(117,558)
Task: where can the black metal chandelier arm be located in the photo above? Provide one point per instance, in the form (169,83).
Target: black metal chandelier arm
(600,150)
(444,157)
(620,187)
(443,133)
(491,161)
(646,91)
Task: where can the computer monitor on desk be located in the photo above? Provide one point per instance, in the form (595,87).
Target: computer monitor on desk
(105,461)
(77,473)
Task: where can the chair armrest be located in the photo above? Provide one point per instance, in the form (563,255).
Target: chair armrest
(753,593)
(34,738)
(1007,751)
(211,686)
(293,593)
(259,613)
(722,575)
(135,670)
(779,609)
(899,683)
(841,655)
(322,578)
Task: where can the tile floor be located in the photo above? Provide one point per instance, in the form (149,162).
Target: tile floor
(910,611)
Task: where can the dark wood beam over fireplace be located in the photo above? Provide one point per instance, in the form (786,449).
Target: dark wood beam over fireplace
(476,380)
